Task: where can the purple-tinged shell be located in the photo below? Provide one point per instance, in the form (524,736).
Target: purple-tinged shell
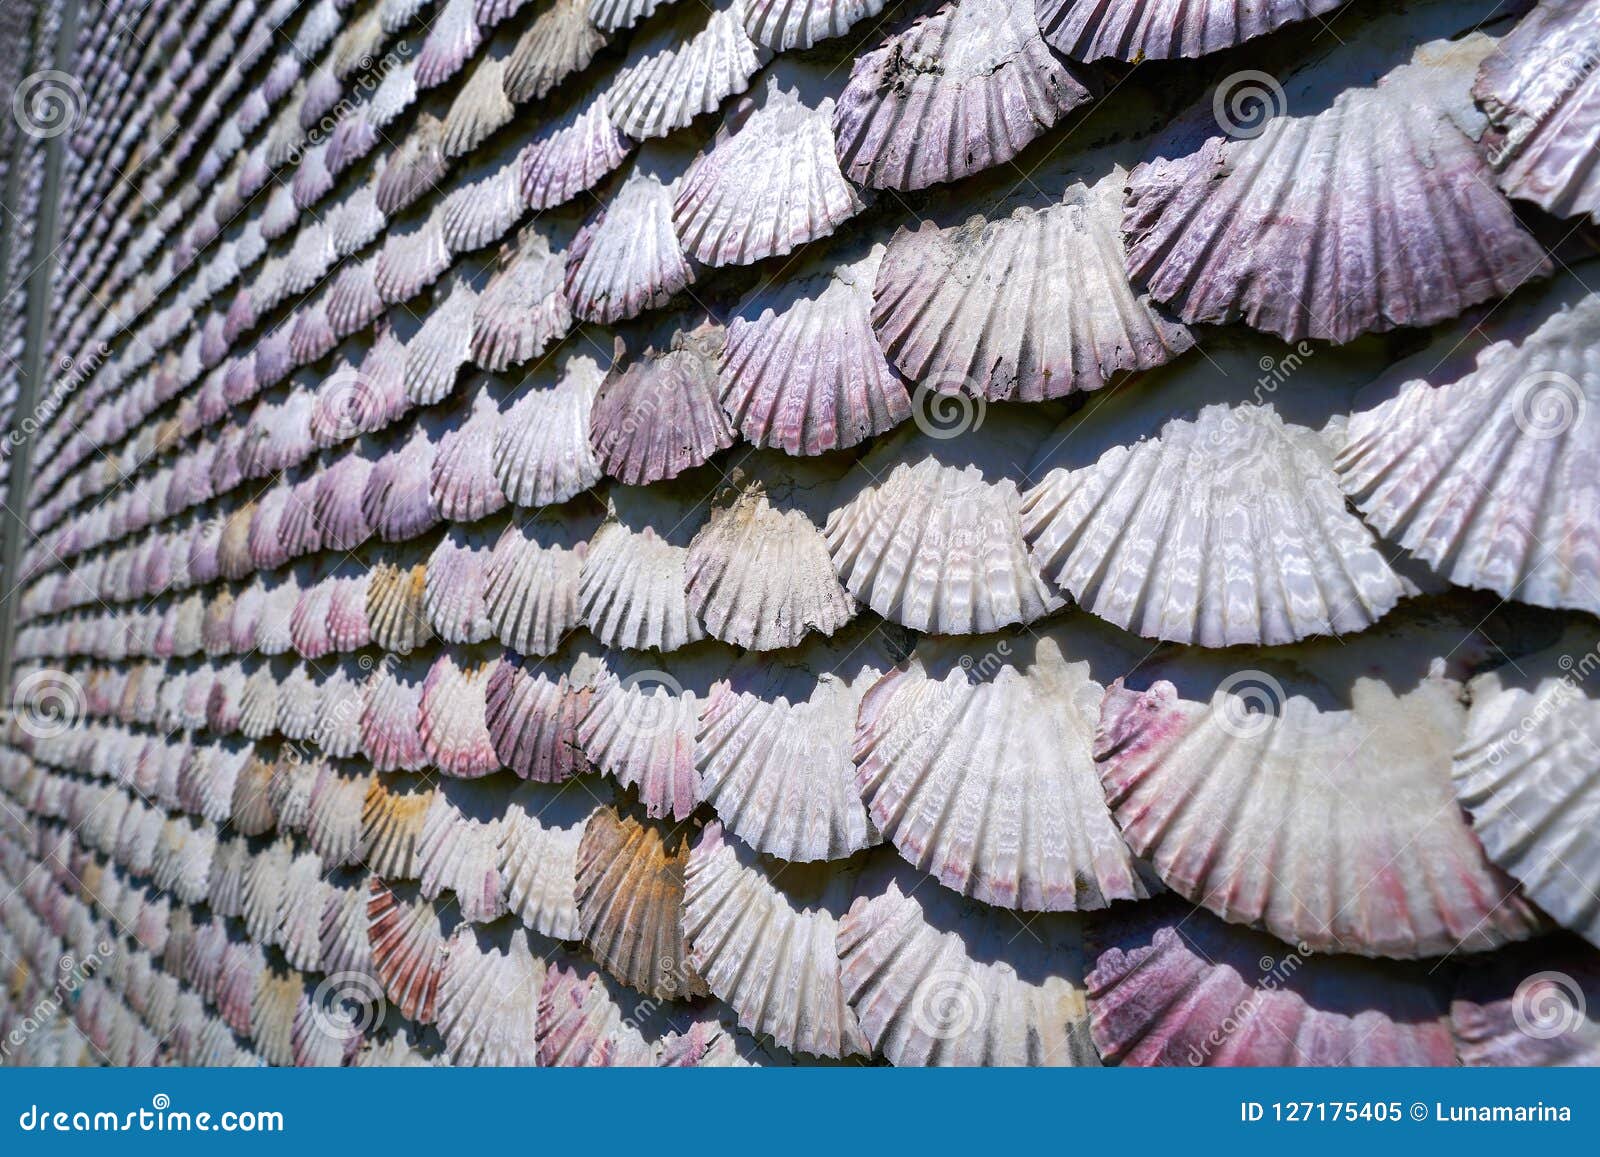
(684,68)
(390,730)
(661,415)
(1529,1006)
(627,258)
(453,595)
(1242,229)
(463,481)
(533,712)
(571,156)
(414,168)
(1172,986)
(453,39)
(1137,30)
(523,309)
(769,183)
(959,91)
(397,501)
(452,718)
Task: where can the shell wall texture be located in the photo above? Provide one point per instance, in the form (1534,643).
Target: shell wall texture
(639,532)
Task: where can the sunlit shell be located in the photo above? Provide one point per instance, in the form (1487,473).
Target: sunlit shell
(1475,454)
(939,980)
(684,68)
(660,416)
(397,501)
(482,211)
(532,711)
(1227,528)
(412,259)
(442,346)
(1218,229)
(1331,762)
(334,825)
(538,855)
(561,41)
(926,529)
(629,892)
(1171,986)
(451,718)
(396,608)
(581,1020)
(542,453)
(976,760)
(632,590)
(416,166)
(573,154)
(389,718)
(1528,773)
(1543,102)
(959,91)
(408,950)
(488,1004)
(769,183)
(453,39)
(524,308)
(765,944)
(463,481)
(784,24)
(627,258)
(392,816)
(530,585)
(1031,306)
(759,575)
(457,851)
(453,594)
(480,109)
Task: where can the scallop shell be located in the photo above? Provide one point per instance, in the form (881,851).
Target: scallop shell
(408,950)
(959,91)
(769,183)
(453,39)
(542,454)
(451,717)
(463,482)
(801,369)
(661,416)
(560,42)
(1220,233)
(524,309)
(392,816)
(581,1023)
(390,719)
(1330,761)
(397,501)
(1528,774)
(454,593)
(412,259)
(488,1004)
(415,167)
(334,825)
(1543,102)
(627,258)
(480,109)
(336,504)
(685,68)
(1172,986)
(354,302)
(975,758)
(481,212)
(926,530)
(575,153)
(937,980)
(442,346)
(1486,476)
(533,714)
(1031,306)
(759,575)
(632,589)
(396,608)
(629,891)
(617,15)
(783,24)
(530,590)
(765,944)
(458,849)
(538,856)
(1228,528)
(1137,30)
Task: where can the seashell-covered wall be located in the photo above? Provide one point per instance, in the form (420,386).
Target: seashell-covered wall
(750,532)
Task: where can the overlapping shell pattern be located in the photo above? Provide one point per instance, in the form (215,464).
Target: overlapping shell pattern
(616,532)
